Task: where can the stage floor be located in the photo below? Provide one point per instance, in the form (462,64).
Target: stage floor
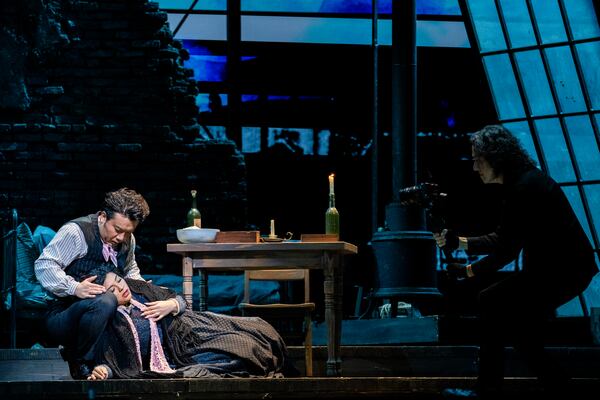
(377,372)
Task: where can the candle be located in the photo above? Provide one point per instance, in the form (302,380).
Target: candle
(331,184)
(272,234)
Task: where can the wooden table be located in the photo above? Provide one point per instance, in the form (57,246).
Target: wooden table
(209,257)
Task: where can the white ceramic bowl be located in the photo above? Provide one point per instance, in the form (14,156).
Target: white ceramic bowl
(197,235)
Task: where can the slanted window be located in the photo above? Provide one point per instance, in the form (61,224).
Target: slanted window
(541,58)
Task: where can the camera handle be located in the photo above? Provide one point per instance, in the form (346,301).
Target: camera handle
(448,253)
(437,225)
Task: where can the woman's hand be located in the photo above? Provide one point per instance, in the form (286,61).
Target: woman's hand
(157,310)
(100,372)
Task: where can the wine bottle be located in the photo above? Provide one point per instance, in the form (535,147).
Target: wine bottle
(332,218)
(193,216)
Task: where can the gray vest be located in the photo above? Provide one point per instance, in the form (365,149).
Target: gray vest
(93,262)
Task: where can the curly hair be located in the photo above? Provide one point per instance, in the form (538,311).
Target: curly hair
(502,150)
(127,202)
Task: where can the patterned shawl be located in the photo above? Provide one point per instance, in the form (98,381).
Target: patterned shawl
(250,340)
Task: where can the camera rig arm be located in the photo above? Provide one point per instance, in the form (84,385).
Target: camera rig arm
(428,197)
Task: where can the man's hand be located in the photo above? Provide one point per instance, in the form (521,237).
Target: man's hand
(99,373)
(157,310)
(446,239)
(457,271)
(86,289)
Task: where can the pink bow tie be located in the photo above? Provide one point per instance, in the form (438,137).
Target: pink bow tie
(109,253)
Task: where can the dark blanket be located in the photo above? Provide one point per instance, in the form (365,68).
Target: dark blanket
(252,347)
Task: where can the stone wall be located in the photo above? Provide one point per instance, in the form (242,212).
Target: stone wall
(93,96)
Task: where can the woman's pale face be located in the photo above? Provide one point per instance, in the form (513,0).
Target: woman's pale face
(117,285)
(485,170)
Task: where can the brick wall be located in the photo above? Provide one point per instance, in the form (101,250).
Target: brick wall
(93,96)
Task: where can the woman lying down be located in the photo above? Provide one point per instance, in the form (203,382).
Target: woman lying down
(184,344)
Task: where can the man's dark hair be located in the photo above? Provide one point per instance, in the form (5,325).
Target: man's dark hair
(502,150)
(127,202)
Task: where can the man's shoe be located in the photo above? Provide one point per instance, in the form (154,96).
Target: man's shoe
(456,393)
(79,369)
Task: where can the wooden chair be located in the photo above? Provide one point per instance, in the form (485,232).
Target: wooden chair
(283,311)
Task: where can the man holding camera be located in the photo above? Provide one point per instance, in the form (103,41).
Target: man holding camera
(558,263)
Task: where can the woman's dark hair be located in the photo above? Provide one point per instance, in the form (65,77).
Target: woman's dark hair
(502,150)
(127,202)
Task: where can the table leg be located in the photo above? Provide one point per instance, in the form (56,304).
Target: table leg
(188,288)
(203,289)
(333,285)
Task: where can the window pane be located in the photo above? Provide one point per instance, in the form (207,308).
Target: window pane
(592,293)
(214,132)
(582,18)
(572,193)
(446,7)
(291,141)
(286,29)
(521,131)
(173,20)
(589,57)
(549,22)
(555,150)
(585,146)
(438,34)
(504,87)
(570,309)
(210,102)
(435,7)
(331,6)
(592,193)
(201,27)
(487,25)
(346,31)
(323,138)
(535,83)
(250,139)
(306,30)
(564,77)
(200,5)
(518,23)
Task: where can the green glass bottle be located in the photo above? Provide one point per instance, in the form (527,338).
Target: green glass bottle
(193,216)
(332,218)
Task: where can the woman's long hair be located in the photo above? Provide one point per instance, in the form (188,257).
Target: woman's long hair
(502,150)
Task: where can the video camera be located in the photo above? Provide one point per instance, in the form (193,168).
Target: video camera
(428,197)
(425,195)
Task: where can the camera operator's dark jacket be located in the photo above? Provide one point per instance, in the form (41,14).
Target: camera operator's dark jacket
(537,218)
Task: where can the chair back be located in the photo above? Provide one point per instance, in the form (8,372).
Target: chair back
(281,275)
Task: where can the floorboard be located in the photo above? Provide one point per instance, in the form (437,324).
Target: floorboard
(370,372)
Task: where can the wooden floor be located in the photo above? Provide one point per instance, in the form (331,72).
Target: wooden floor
(374,372)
